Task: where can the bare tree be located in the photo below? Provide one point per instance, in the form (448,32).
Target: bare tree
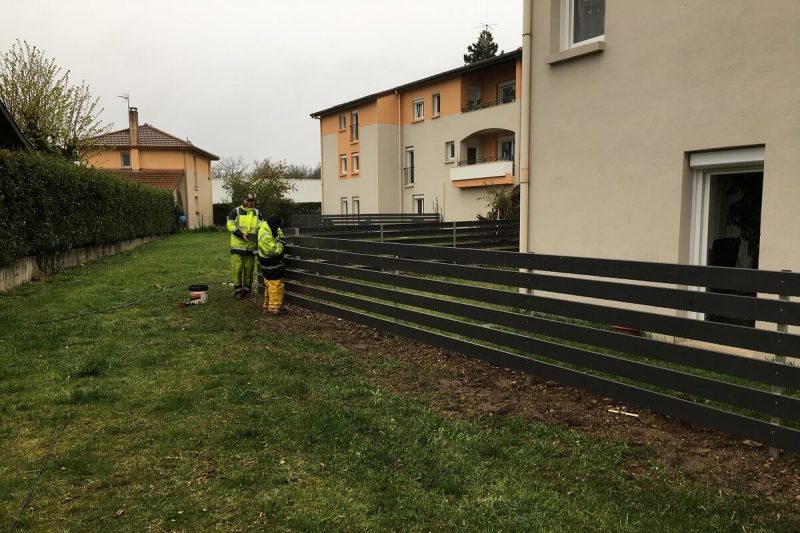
(266,179)
(56,116)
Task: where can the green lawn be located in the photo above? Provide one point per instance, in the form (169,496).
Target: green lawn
(214,418)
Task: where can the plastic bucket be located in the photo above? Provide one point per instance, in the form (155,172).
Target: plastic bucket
(198,293)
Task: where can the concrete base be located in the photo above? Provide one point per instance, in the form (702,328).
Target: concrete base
(28,269)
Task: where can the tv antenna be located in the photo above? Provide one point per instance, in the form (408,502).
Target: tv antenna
(127,98)
(486,26)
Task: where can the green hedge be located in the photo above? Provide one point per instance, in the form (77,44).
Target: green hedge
(221,212)
(51,205)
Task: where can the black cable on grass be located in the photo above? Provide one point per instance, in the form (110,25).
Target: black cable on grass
(15,521)
(104,309)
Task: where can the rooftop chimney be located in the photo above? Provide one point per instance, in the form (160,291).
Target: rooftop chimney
(133,120)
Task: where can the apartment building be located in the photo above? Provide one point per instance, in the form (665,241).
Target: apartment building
(662,132)
(431,145)
(148,155)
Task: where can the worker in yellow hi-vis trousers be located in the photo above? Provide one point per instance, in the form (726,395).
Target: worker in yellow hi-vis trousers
(270,260)
(243,223)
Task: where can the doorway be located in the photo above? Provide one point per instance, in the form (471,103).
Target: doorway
(726,225)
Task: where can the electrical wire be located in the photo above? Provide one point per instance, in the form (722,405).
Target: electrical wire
(105,309)
(23,507)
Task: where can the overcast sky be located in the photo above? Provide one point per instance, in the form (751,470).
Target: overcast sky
(241,77)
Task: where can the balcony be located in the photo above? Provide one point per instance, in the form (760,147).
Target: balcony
(477,104)
(482,172)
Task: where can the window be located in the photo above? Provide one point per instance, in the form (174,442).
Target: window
(344,205)
(436,105)
(126,159)
(506,148)
(356,163)
(506,92)
(409,168)
(418,201)
(450,151)
(342,122)
(342,164)
(473,98)
(356,205)
(354,126)
(418,106)
(582,22)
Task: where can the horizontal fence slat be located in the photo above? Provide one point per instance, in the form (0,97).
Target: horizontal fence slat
(734,424)
(726,334)
(743,367)
(745,280)
(735,395)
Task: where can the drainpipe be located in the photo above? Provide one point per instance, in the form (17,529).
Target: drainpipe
(400,153)
(525,125)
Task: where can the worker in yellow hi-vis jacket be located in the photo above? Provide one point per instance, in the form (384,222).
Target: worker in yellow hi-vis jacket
(270,260)
(243,223)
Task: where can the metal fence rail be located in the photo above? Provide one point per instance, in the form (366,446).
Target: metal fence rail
(468,300)
(358,219)
(500,234)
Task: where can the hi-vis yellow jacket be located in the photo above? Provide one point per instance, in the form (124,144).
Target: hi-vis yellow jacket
(244,221)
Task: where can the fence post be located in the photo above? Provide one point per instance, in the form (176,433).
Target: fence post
(381,232)
(454,234)
(780,359)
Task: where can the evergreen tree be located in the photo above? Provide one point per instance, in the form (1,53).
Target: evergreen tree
(484,48)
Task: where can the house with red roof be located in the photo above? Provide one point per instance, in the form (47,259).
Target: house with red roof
(148,155)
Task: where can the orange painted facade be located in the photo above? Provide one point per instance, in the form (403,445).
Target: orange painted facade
(191,188)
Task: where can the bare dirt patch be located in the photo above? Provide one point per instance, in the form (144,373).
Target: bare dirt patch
(461,387)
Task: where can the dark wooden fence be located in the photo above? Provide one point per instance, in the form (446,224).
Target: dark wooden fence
(470,301)
(500,234)
(356,219)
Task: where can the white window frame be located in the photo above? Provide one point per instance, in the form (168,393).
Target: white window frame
(356,159)
(503,85)
(356,205)
(354,126)
(418,104)
(450,151)
(568,27)
(342,121)
(474,103)
(343,165)
(408,178)
(343,205)
(704,165)
(418,200)
(436,105)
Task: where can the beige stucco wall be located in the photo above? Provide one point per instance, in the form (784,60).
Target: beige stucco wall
(611,131)
(432,175)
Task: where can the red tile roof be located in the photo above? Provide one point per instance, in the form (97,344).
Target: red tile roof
(149,137)
(160,179)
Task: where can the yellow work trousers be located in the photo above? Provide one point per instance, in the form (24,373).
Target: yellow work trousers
(273,296)
(242,267)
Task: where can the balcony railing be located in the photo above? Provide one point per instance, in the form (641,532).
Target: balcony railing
(408,176)
(474,106)
(481,160)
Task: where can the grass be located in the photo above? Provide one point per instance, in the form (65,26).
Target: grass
(214,418)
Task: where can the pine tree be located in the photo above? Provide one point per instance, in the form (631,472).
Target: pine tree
(484,48)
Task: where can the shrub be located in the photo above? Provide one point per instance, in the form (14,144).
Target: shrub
(221,212)
(50,205)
